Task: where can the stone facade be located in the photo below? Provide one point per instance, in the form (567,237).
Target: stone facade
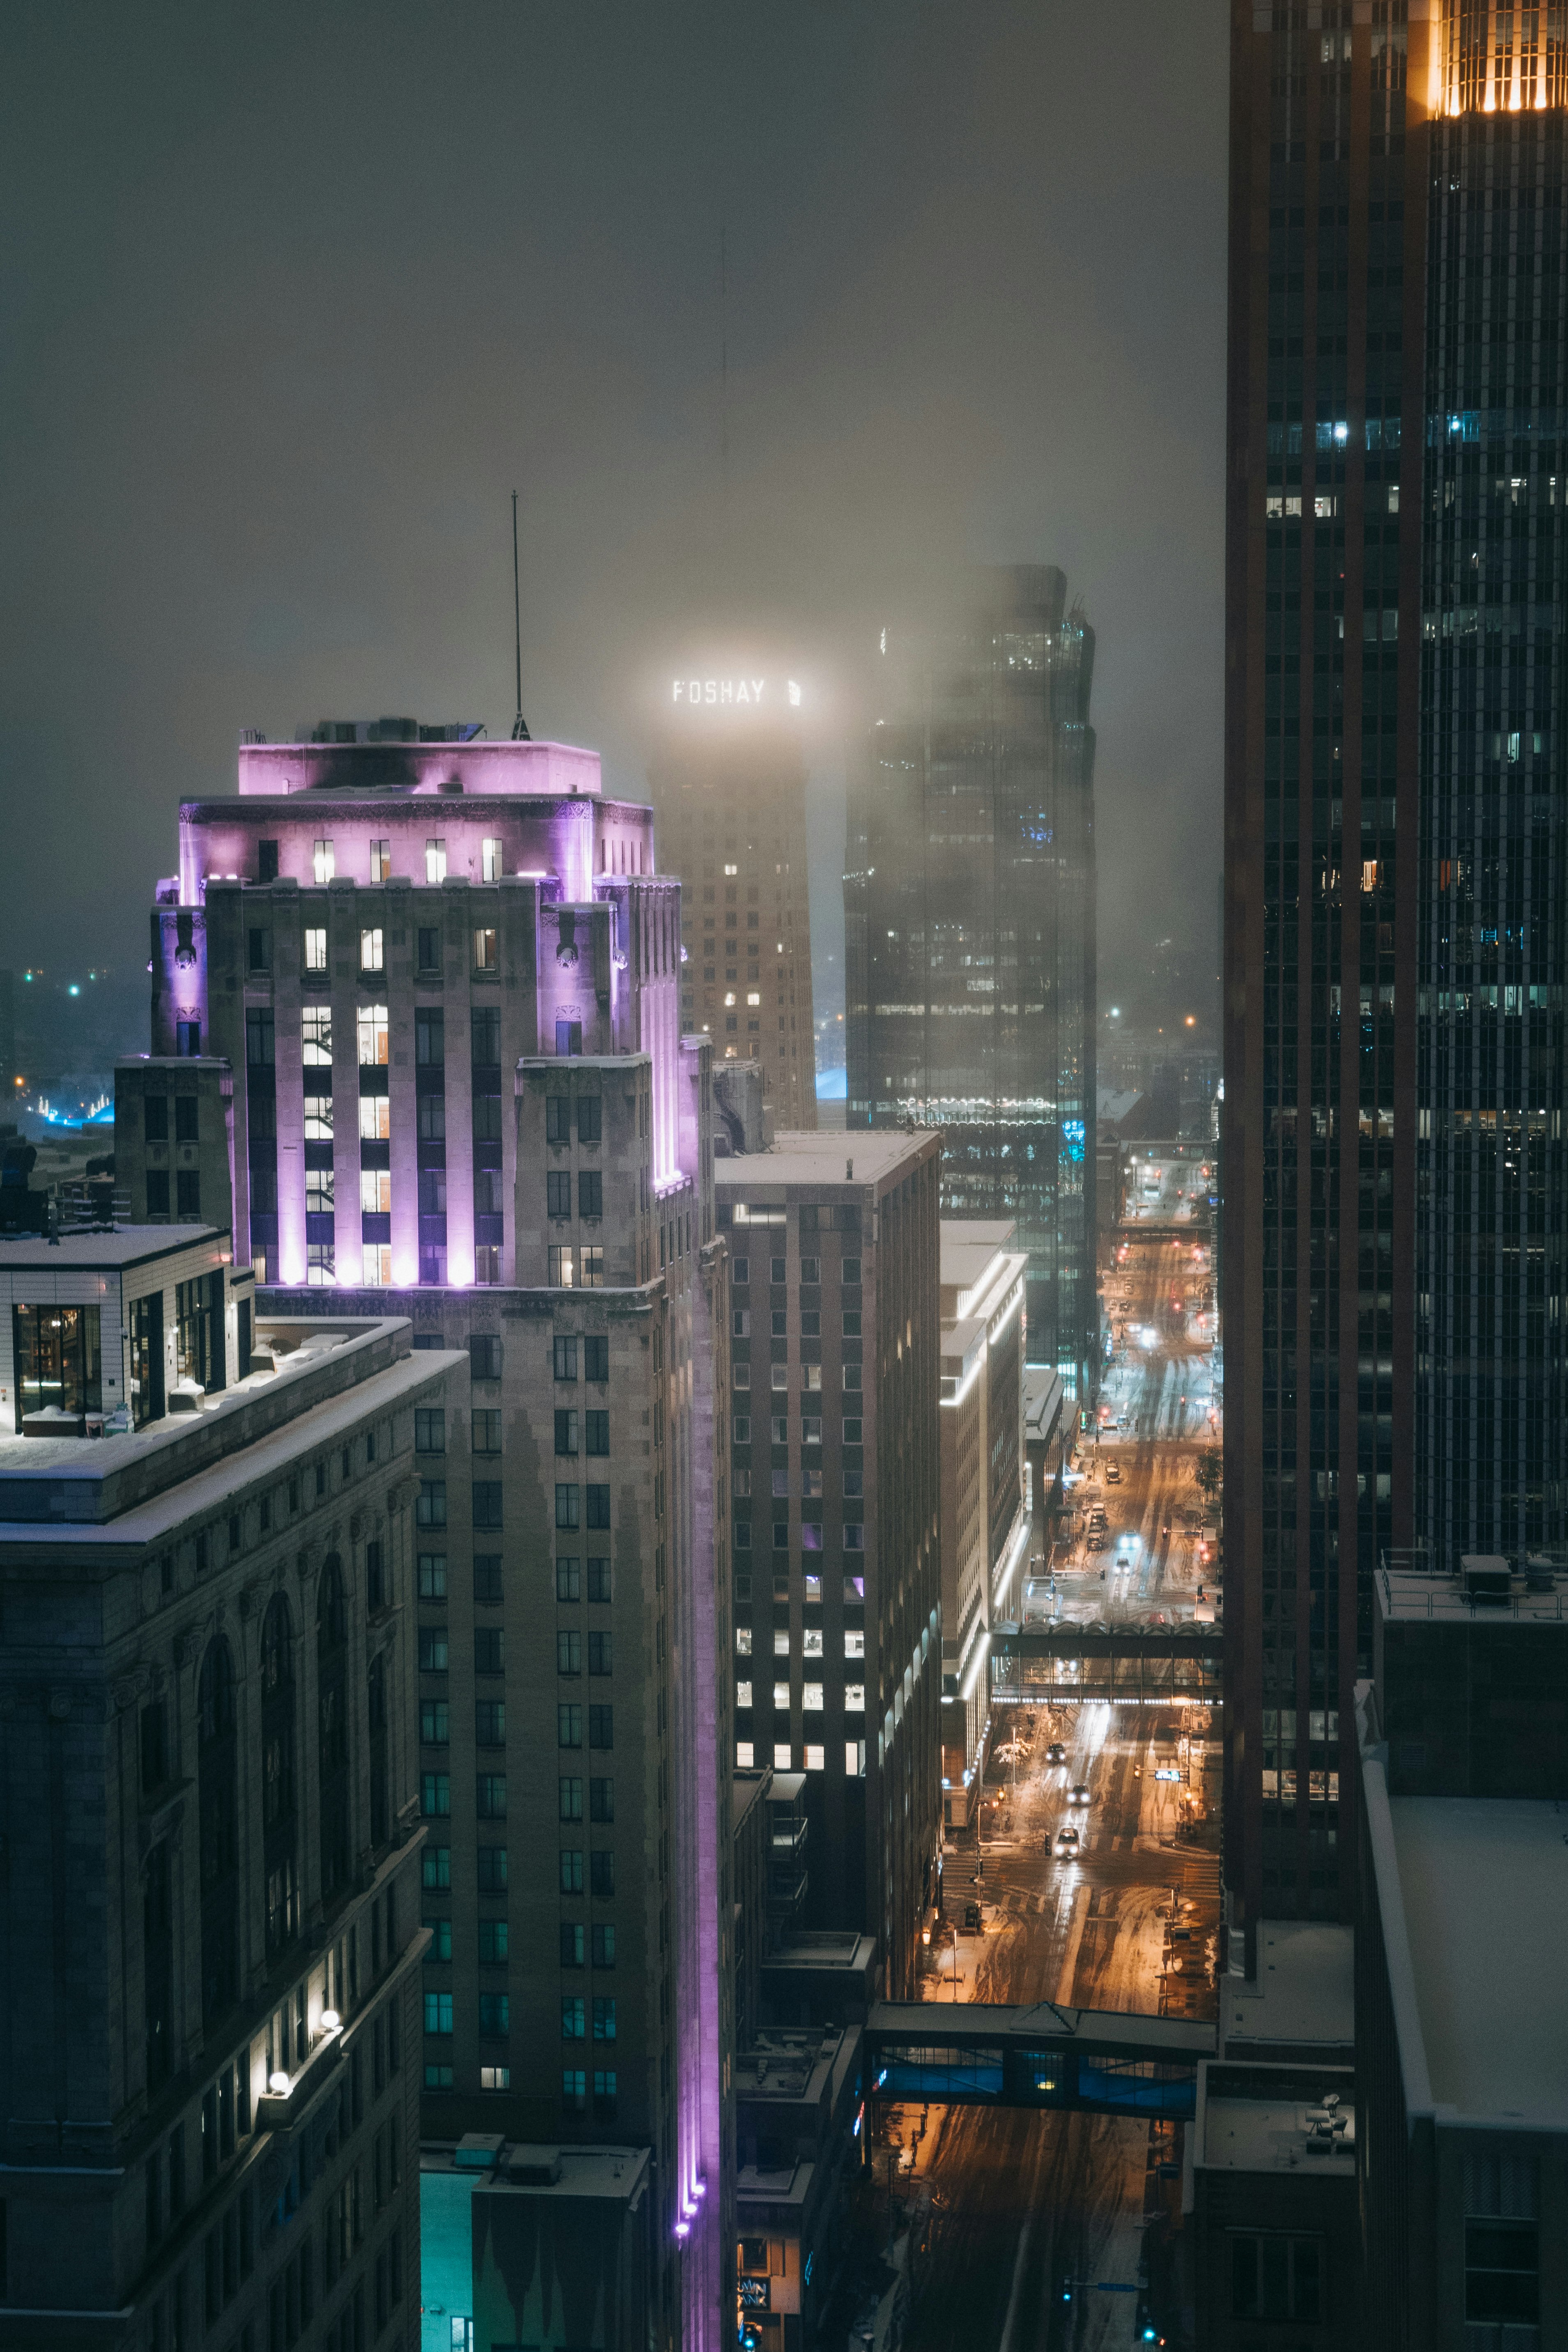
(836,1454)
(212,2121)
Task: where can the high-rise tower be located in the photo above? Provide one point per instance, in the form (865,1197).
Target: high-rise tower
(1393,957)
(728,777)
(444,977)
(969,905)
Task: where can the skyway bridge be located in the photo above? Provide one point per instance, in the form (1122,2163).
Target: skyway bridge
(1096,2061)
(1071,1664)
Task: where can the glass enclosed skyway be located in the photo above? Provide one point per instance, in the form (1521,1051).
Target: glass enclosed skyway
(1102,2061)
(1121,1665)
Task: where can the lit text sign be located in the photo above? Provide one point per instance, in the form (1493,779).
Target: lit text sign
(709,692)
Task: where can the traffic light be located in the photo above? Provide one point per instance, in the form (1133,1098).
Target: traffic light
(1067,2290)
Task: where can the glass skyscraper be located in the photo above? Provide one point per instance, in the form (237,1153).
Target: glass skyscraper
(969,904)
(1392,1281)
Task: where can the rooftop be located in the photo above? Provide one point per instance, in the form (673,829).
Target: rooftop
(111,1250)
(980,1265)
(793,2066)
(825,1948)
(1269,2120)
(854,1163)
(1480,1895)
(1539,1597)
(539,2168)
(135,1486)
(1304,1995)
(402,763)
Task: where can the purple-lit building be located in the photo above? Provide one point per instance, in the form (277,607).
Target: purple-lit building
(443,975)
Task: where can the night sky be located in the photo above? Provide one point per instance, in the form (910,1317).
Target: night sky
(292,296)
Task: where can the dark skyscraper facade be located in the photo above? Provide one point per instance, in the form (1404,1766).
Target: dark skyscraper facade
(1394,873)
(1491,1271)
(969,908)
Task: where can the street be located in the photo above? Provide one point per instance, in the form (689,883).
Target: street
(1037,2233)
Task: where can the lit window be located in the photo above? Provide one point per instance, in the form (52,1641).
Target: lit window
(781,1756)
(780,1697)
(562,1269)
(435,859)
(854,1644)
(485,958)
(371,955)
(374,1119)
(811,1698)
(373,1036)
(495,2078)
(781,1640)
(377,1266)
(380,861)
(854,1758)
(743,1755)
(730,998)
(742,1694)
(316,949)
(491,857)
(854,1698)
(753,996)
(318,1119)
(375,1191)
(316,1036)
(816,1758)
(732,870)
(324,864)
(1369,874)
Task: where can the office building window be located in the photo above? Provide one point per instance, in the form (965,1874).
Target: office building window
(435,859)
(322,861)
(371,955)
(380,861)
(486,960)
(1274,2276)
(491,854)
(374,1036)
(316,1034)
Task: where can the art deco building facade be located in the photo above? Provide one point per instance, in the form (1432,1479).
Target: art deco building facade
(211,1810)
(1394,1274)
(444,978)
(836,1467)
(969,930)
(727,779)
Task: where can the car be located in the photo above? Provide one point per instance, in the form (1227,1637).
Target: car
(1079,1793)
(971,1919)
(1097,1542)
(1055,1753)
(1067,1841)
(1112,1474)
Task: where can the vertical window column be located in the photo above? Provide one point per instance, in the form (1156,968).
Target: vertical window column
(261,1132)
(490,1194)
(430,1094)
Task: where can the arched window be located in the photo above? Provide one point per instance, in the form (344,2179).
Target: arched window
(332,1728)
(280,1813)
(218,1779)
(375,1716)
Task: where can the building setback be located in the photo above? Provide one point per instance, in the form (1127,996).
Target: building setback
(444,977)
(1395,939)
(969,907)
(836,1463)
(728,780)
(210,1796)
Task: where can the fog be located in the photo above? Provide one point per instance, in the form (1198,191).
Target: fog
(294,295)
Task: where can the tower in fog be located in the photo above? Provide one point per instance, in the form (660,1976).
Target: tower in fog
(969,922)
(728,783)
(1394,1277)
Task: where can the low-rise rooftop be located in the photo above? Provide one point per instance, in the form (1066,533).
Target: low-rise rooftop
(1303,1997)
(857,1163)
(1270,2119)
